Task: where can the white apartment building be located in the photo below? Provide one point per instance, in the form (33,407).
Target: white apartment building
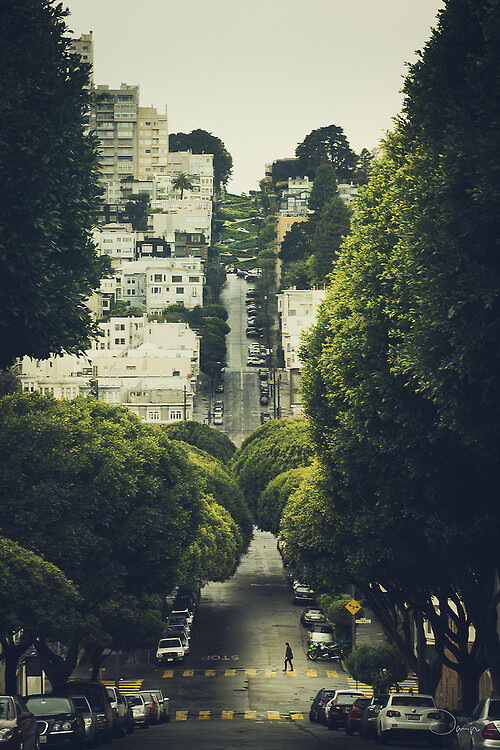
(199,167)
(348,191)
(152,143)
(116,240)
(154,373)
(156,283)
(191,220)
(298,309)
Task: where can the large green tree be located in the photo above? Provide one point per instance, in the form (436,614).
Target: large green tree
(49,265)
(401,373)
(203,437)
(202,142)
(326,145)
(332,226)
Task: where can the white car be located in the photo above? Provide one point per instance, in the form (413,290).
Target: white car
(321,632)
(218,419)
(170,649)
(185,613)
(413,717)
(140,711)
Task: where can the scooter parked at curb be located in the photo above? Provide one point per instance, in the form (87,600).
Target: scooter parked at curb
(326,652)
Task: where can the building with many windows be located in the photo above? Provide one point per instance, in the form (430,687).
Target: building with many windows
(152,143)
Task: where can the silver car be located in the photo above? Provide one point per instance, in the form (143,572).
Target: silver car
(89,719)
(482,729)
(412,717)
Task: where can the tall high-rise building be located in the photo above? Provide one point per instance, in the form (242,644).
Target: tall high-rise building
(114,117)
(152,143)
(84,47)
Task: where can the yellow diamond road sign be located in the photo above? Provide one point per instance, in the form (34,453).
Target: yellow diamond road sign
(353,606)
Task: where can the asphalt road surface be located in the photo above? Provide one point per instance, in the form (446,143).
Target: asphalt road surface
(231,691)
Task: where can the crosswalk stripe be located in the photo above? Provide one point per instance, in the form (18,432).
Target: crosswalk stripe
(204,715)
(209,672)
(250,714)
(250,672)
(366,689)
(291,673)
(181,715)
(188,673)
(273,715)
(270,673)
(296,716)
(230,672)
(227,714)
(168,673)
(331,673)
(311,673)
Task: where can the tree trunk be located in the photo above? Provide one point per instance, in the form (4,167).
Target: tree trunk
(57,668)
(470,690)
(11,653)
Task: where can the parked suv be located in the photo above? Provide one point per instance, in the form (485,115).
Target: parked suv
(123,714)
(338,707)
(322,632)
(170,649)
(368,728)
(99,700)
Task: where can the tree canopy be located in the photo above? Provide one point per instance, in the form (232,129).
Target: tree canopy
(50,187)
(326,145)
(203,437)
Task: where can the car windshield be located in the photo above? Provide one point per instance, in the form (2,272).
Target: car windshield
(170,643)
(344,699)
(7,709)
(362,702)
(324,629)
(135,700)
(111,692)
(81,703)
(413,700)
(49,706)
(494,710)
(314,612)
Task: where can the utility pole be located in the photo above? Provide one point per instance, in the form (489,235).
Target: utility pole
(185,403)
(278,411)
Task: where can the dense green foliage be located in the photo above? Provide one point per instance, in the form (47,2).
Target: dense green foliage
(49,265)
(274,448)
(382,667)
(182,182)
(274,497)
(401,372)
(326,145)
(203,437)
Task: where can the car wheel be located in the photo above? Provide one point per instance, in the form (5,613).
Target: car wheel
(331,724)
(348,729)
(108,736)
(312,717)
(384,738)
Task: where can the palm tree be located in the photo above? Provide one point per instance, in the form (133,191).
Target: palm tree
(182,182)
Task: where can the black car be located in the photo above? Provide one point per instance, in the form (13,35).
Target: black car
(99,700)
(317,710)
(59,722)
(265,417)
(263,374)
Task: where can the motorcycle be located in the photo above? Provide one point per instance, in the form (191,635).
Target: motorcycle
(325,651)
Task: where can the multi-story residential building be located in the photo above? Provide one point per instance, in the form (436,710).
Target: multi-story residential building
(153,143)
(190,220)
(84,48)
(152,368)
(155,283)
(199,167)
(298,309)
(114,117)
(117,241)
(348,191)
(294,200)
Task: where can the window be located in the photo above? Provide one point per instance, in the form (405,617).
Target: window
(158,277)
(175,415)
(176,279)
(179,289)
(153,416)
(194,278)
(156,290)
(176,373)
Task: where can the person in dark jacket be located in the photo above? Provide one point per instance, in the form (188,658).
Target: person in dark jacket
(288,657)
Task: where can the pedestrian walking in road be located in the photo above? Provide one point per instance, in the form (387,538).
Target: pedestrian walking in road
(288,657)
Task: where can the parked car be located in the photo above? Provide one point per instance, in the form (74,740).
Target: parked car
(481,731)
(164,703)
(312,616)
(317,710)
(89,720)
(353,719)
(152,705)
(18,725)
(368,728)
(218,419)
(219,406)
(413,717)
(263,375)
(99,700)
(339,705)
(170,649)
(183,612)
(123,715)
(140,710)
(175,620)
(303,595)
(265,417)
(58,721)
(264,400)
(323,632)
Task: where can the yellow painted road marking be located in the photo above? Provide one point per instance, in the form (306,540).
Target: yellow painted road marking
(204,715)
(250,714)
(227,715)
(296,716)
(209,672)
(293,673)
(273,715)
(250,672)
(270,673)
(181,715)
(230,672)
(311,673)
(168,673)
(188,673)
(331,673)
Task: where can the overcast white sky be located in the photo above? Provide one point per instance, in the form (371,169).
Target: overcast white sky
(260,74)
